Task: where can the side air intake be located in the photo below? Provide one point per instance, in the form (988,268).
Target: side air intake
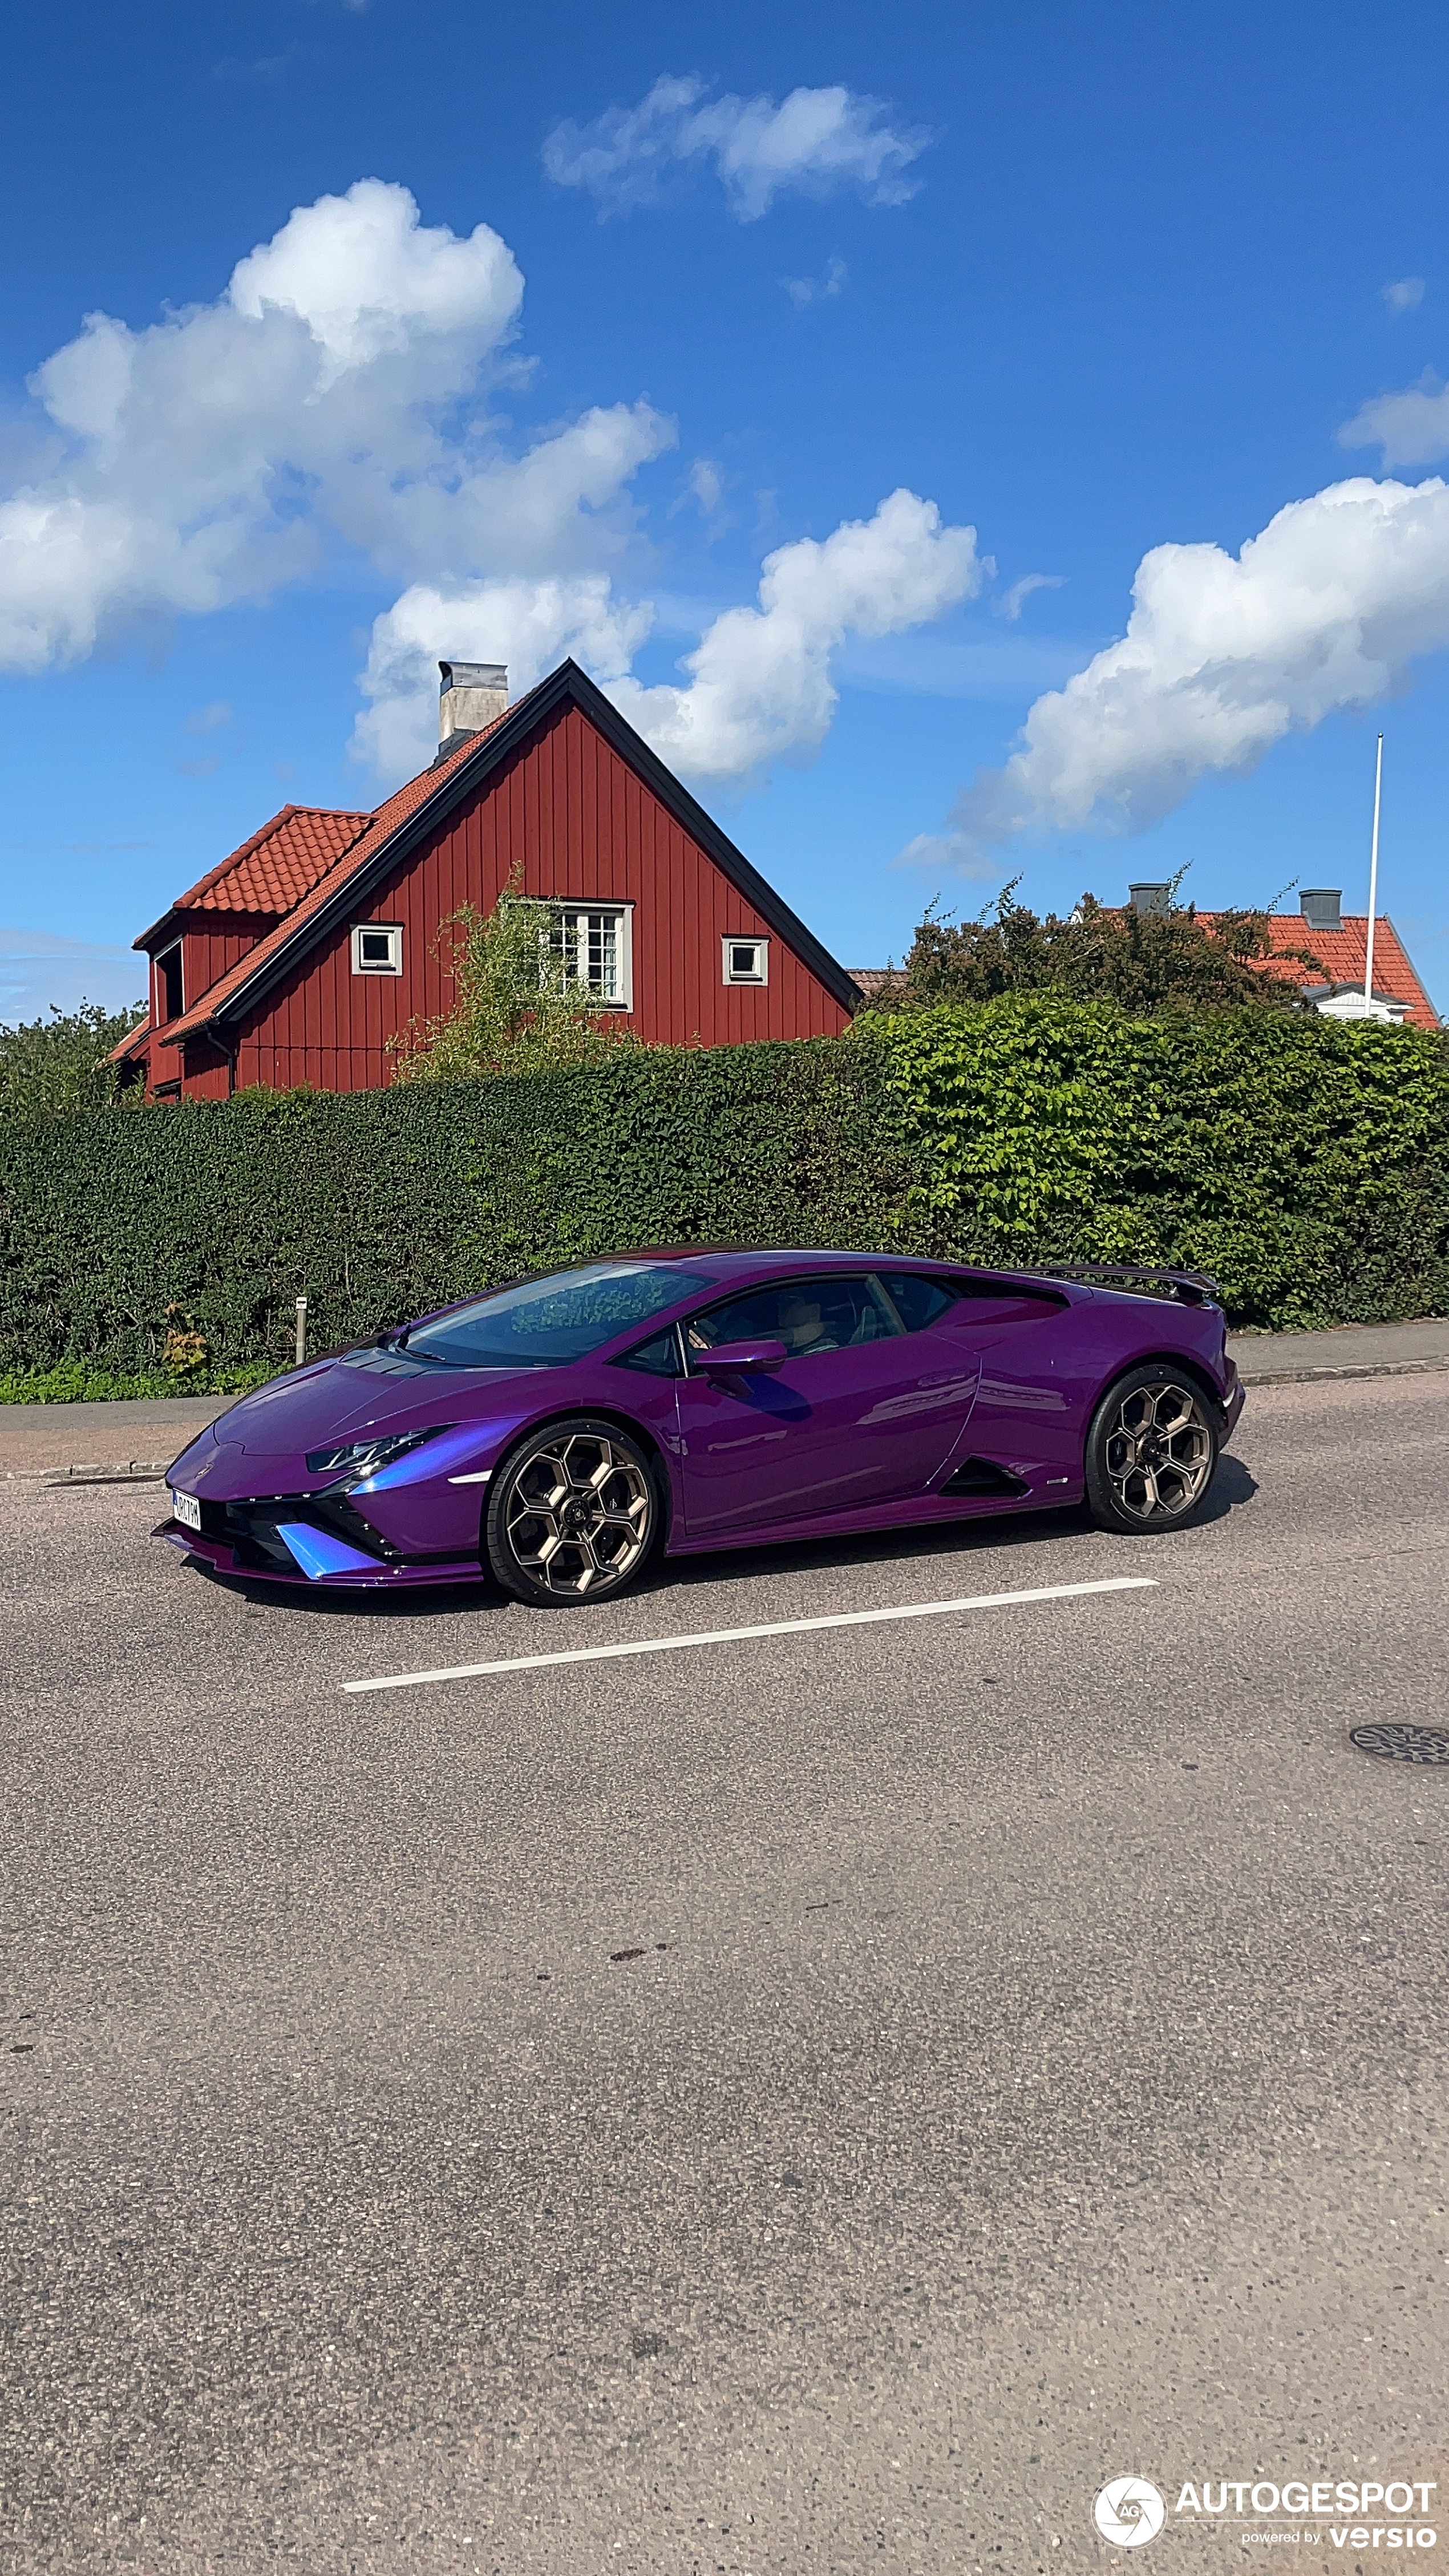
(983,1476)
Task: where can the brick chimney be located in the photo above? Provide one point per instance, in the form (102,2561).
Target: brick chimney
(473,695)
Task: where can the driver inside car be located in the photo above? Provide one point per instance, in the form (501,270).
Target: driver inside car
(799,1321)
(803,1328)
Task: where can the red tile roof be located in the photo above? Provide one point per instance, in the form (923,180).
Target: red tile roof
(274,869)
(1344,955)
(1343,952)
(140,1036)
(380,826)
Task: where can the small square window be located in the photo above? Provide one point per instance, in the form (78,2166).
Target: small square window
(377,948)
(747,961)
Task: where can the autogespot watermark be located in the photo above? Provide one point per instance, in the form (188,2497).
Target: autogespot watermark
(1341,2513)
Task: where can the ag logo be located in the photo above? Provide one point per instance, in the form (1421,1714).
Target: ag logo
(1129,2512)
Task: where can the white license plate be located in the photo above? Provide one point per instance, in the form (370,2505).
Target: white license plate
(186,1509)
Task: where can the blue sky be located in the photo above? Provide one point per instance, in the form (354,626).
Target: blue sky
(1089,281)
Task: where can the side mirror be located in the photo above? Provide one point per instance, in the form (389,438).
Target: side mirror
(730,1359)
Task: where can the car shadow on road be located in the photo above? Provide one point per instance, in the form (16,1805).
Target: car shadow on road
(962,1540)
(994,1532)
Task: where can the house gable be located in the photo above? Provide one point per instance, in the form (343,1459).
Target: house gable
(563,790)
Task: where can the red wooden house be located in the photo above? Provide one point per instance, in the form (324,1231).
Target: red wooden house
(301,955)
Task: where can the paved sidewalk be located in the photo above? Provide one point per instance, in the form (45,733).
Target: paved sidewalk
(105,1441)
(81,1440)
(1350,1350)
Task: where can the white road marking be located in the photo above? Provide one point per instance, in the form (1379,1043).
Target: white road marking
(770,1628)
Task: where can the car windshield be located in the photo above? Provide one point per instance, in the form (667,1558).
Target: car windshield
(545,1323)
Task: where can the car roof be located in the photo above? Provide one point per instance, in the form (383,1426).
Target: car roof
(726,1259)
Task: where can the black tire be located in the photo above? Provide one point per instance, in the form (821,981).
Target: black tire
(574,1514)
(1152,1451)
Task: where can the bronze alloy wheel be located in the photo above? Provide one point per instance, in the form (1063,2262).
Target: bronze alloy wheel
(1151,1451)
(573,1514)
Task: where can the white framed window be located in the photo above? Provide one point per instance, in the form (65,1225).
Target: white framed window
(746,960)
(596,943)
(377,948)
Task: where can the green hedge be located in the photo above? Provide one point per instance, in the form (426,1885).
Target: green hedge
(1305,1163)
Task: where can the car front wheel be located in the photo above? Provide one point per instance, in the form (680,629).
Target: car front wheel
(1151,1451)
(573,1513)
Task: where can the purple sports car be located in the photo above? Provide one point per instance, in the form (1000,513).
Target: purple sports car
(562,1430)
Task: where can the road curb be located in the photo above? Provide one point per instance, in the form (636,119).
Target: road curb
(1365,1368)
(136,1471)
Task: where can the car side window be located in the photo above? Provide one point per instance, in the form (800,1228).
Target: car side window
(918,1302)
(807,1315)
(659,1356)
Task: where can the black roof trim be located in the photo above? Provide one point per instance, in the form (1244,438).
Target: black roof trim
(567,684)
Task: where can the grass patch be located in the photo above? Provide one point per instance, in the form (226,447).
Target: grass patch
(76,1382)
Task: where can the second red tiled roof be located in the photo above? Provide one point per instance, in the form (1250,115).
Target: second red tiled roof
(279,864)
(380,827)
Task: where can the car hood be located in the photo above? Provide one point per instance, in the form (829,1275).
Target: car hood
(339,1399)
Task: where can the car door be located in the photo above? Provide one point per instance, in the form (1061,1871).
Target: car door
(1035,1374)
(862,1411)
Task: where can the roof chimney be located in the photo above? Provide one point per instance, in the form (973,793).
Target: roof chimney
(474,694)
(1150,898)
(1320,907)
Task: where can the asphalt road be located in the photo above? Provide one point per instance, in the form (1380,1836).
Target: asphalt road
(812,2103)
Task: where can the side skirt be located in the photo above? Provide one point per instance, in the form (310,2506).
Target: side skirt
(920,1511)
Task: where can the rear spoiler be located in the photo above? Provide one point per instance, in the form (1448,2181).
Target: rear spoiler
(1141,1279)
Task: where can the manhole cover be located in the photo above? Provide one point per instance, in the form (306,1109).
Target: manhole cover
(1403,1743)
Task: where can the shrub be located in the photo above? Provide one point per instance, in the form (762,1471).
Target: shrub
(63,1063)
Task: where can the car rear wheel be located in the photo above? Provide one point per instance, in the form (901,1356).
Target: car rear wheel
(1151,1451)
(573,1513)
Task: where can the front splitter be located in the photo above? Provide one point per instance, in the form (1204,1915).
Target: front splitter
(221,1559)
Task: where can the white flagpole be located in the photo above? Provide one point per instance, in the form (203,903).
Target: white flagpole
(1368,971)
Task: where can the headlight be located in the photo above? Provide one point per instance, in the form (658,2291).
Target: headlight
(364,1457)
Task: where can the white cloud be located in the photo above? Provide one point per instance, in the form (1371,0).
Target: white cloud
(761,688)
(216,454)
(331,397)
(1402,294)
(707,484)
(811,290)
(1224,655)
(1410,428)
(1012,602)
(369,281)
(812,142)
(529,625)
(703,484)
(947,853)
